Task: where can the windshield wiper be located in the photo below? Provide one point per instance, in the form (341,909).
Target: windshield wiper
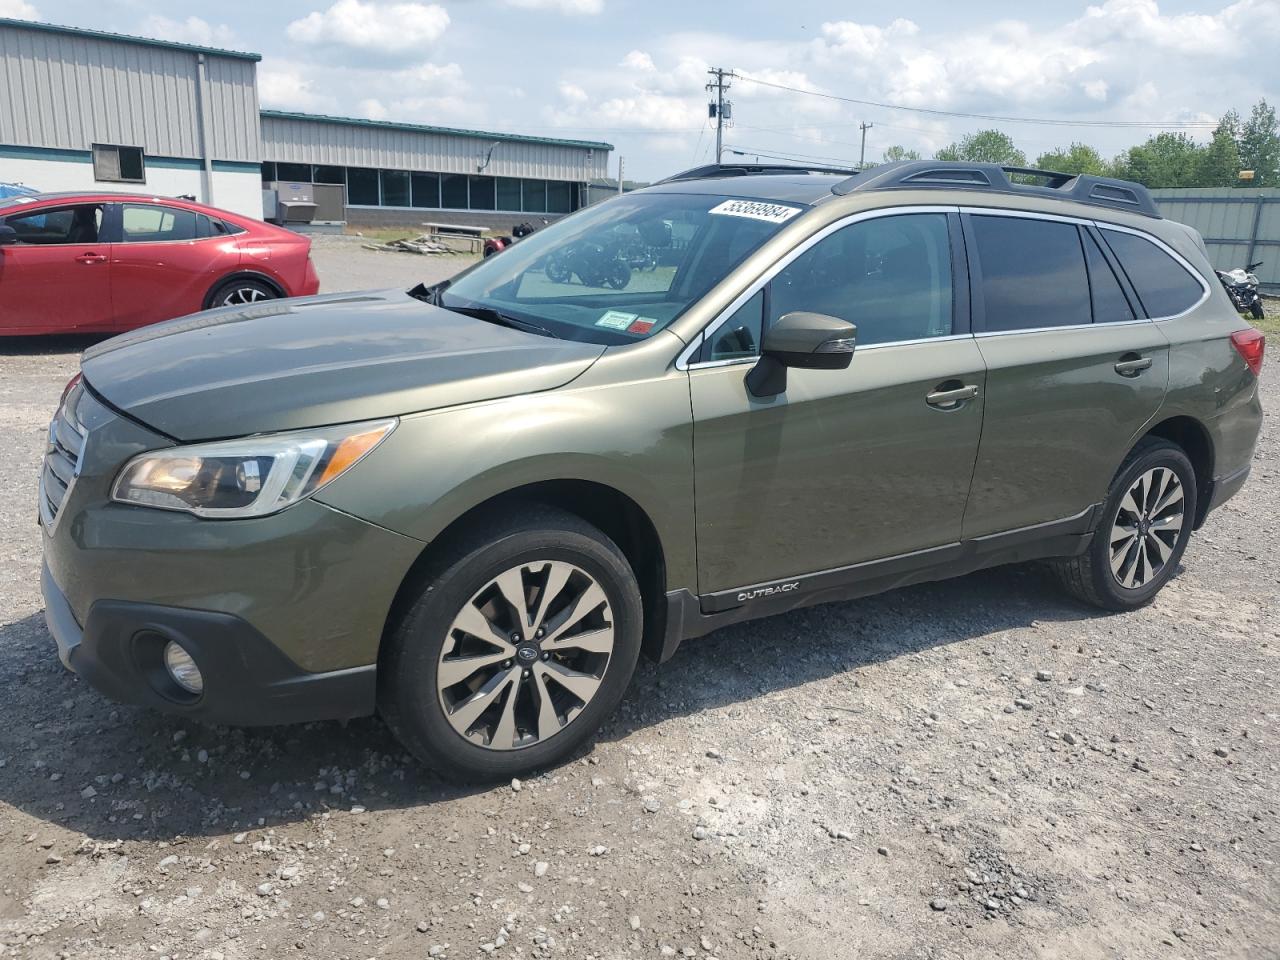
(490,315)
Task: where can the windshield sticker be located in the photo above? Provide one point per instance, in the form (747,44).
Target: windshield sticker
(642,325)
(769,212)
(616,320)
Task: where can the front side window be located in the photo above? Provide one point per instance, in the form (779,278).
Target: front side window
(1033,273)
(74,224)
(738,338)
(1163,285)
(623,269)
(153,223)
(890,276)
(118,164)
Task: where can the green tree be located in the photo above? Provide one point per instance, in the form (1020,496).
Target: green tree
(1077,158)
(1260,145)
(895,153)
(1165,160)
(1219,162)
(985,146)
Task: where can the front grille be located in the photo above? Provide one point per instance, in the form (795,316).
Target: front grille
(61,458)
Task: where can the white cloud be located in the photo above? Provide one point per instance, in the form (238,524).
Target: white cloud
(589,7)
(638,60)
(288,87)
(379,29)
(191,30)
(18,10)
(371,108)
(573,93)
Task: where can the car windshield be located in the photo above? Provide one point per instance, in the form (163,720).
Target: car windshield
(618,271)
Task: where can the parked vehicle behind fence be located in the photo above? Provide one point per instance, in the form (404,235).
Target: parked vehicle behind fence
(108,262)
(471,507)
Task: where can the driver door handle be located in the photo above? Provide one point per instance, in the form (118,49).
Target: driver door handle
(1131,366)
(951,398)
(91,258)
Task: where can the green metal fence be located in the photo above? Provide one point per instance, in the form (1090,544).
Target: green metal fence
(1239,226)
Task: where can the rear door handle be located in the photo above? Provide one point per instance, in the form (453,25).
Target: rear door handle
(91,258)
(952,397)
(1131,366)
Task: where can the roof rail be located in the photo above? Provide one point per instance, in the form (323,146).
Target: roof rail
(714,170)
(993,178)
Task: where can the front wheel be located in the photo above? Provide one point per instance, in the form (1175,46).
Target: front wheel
(520,643)
(1146,523)
(1255,308)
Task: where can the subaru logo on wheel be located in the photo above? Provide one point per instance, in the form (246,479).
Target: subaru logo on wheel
(527,654)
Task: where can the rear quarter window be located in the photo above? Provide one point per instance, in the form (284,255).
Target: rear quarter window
(1165,287)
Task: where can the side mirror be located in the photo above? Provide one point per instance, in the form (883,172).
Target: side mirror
(8,235)
(812,341)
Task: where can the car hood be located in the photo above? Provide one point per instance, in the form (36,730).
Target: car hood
(287,364)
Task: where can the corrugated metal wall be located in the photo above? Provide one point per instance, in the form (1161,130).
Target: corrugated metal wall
(358,145)
(69,92)
(1238,226)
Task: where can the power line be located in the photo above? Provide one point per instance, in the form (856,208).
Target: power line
(1187,124)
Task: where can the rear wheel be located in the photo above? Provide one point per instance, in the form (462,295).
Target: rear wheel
(242,291)
(520,643)
(1145,526)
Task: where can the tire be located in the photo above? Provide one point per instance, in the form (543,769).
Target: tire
(1255,308)
(1091,577)
(239,292)
(426,692)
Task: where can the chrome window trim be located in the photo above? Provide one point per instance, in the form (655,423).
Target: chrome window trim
(984,334)
(682,360)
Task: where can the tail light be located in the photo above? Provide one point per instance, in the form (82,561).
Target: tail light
(1250,344)
(71,385)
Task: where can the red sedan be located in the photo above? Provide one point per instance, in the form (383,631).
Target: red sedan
(107,262)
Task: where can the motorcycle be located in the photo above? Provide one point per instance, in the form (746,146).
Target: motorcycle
(494,245)
(596,265)
(1242,287)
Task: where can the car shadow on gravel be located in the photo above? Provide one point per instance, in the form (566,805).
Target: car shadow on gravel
(70,757)
(51,345)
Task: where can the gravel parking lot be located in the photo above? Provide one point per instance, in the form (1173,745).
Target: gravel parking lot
(974,768)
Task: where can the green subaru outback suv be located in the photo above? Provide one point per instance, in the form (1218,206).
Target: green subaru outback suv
(471,507)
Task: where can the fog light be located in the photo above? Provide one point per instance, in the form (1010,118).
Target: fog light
(182,668)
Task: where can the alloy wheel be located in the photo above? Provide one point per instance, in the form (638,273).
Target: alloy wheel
(1146,528)
(525,655)
(238,295)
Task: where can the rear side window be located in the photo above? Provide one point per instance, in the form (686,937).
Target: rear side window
(153,223)
(1109,302)
(1163,285)
(1033,273)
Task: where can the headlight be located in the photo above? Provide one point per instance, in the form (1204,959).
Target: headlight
(246,478)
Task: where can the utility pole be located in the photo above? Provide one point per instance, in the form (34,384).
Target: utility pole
(621,163)
(721,110)
(862,156)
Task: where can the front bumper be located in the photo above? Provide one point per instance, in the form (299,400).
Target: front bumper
(247,680)
(283,614)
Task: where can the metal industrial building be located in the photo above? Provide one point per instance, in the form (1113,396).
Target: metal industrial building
(83,110)
(87,110)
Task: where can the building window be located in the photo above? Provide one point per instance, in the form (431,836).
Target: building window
(294,172)
(426,190)
(535,196)
(453,192)
(337,175)
(509,194)
(483,196)
(268,171)
(118,164)
(362,187)
(559,196)
(395,188)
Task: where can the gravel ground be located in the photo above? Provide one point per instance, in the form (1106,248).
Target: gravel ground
(966,769)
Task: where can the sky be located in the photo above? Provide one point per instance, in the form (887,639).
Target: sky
(632,72)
